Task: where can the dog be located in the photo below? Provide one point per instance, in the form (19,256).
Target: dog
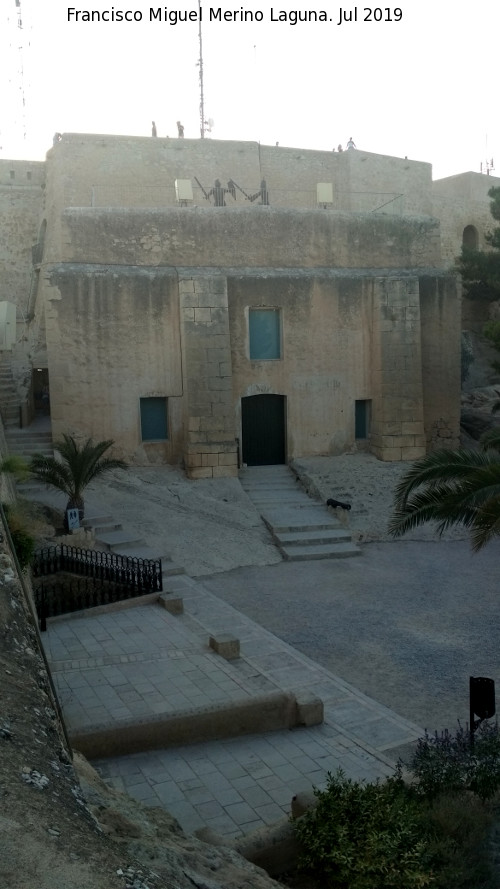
(336,503)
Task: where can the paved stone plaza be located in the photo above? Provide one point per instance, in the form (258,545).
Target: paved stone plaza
(143,661)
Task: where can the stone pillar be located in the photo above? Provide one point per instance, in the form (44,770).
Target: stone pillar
(210,449)
(397,431)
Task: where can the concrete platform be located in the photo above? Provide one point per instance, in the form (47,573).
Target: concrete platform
(143,663)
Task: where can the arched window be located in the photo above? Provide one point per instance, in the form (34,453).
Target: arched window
(470,237)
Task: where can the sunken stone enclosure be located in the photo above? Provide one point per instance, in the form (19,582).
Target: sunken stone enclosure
(218,303)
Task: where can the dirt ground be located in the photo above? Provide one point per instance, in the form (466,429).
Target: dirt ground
(51,835)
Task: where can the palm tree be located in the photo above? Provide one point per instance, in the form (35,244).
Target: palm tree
(459,487)
(78,466)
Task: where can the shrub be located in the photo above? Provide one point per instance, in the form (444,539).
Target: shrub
(366,836)
(446,762)
(23,541)
(458,848)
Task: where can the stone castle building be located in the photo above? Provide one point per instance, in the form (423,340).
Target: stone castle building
(218,303)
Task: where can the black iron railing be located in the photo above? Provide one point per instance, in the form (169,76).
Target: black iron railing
(109,578)
(141,574)
(77,594)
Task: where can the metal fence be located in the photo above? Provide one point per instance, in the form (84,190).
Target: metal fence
(142,575)
(162,196)
(77,594)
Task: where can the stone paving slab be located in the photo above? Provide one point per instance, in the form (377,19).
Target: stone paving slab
(135,660)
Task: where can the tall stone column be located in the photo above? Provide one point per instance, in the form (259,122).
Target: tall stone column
(397,431)
(210,449)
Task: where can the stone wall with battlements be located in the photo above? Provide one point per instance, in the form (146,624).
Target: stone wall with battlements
(21,200)
(459,202)
(144,291)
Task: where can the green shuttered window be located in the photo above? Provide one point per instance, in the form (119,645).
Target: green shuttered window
(265,334)
(154,422)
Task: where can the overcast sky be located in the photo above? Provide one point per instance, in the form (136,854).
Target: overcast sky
(425,86)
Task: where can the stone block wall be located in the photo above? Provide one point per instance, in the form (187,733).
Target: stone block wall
(398,409)
(210,449)
(461,201)
(21,201)
(441,357)
(113,337)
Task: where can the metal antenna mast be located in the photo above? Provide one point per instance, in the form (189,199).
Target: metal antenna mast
(200,63)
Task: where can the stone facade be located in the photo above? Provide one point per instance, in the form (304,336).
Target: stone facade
(140,295)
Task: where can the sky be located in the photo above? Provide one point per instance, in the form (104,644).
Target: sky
(418,80)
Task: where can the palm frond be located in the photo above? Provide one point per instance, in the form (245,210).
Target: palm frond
(491,438)
(451,488)
(76,466)
(442,466)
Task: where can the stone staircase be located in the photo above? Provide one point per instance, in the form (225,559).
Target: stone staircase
(302,528)
(110,536)
(9,401)
(29,441)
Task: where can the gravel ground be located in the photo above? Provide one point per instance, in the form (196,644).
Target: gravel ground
(407,623)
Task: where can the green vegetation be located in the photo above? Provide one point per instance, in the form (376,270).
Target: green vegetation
(480,269)
(365,836)
(432,832)
(22,539)
(452,488)
(447,762)
(78,466)
(15,466)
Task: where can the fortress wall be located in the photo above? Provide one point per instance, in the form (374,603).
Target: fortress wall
(101,170)
(391,175)
(459,201)
(21,199)
(326,354)
(440,345)
(112,338)
(256,236)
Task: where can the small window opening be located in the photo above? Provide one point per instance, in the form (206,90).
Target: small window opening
(362,418)
(154,419)
(265,334)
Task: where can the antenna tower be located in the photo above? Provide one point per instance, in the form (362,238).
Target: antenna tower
(15,33)
(205,125)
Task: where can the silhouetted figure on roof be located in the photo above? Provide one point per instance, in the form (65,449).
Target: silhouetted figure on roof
(180,130)
(153,129)
(350,144)
(218,193)
(340,148)
(263,194)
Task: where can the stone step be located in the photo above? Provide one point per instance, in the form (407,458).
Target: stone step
(320,551)
(118,541)
(312,538)
(25,435)
(104,527)
(90,521)
(169,568)
(289,524)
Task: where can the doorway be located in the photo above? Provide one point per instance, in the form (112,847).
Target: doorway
(40,389)
(263,430)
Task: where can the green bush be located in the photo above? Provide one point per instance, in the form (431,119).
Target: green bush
(366,836)
(446,762)
(23,541)
(458,848)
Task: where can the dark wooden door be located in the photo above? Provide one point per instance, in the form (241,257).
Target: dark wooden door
(263,429)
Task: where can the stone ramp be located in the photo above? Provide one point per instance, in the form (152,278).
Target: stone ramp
(133,677)
(147,668)
(301,527)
